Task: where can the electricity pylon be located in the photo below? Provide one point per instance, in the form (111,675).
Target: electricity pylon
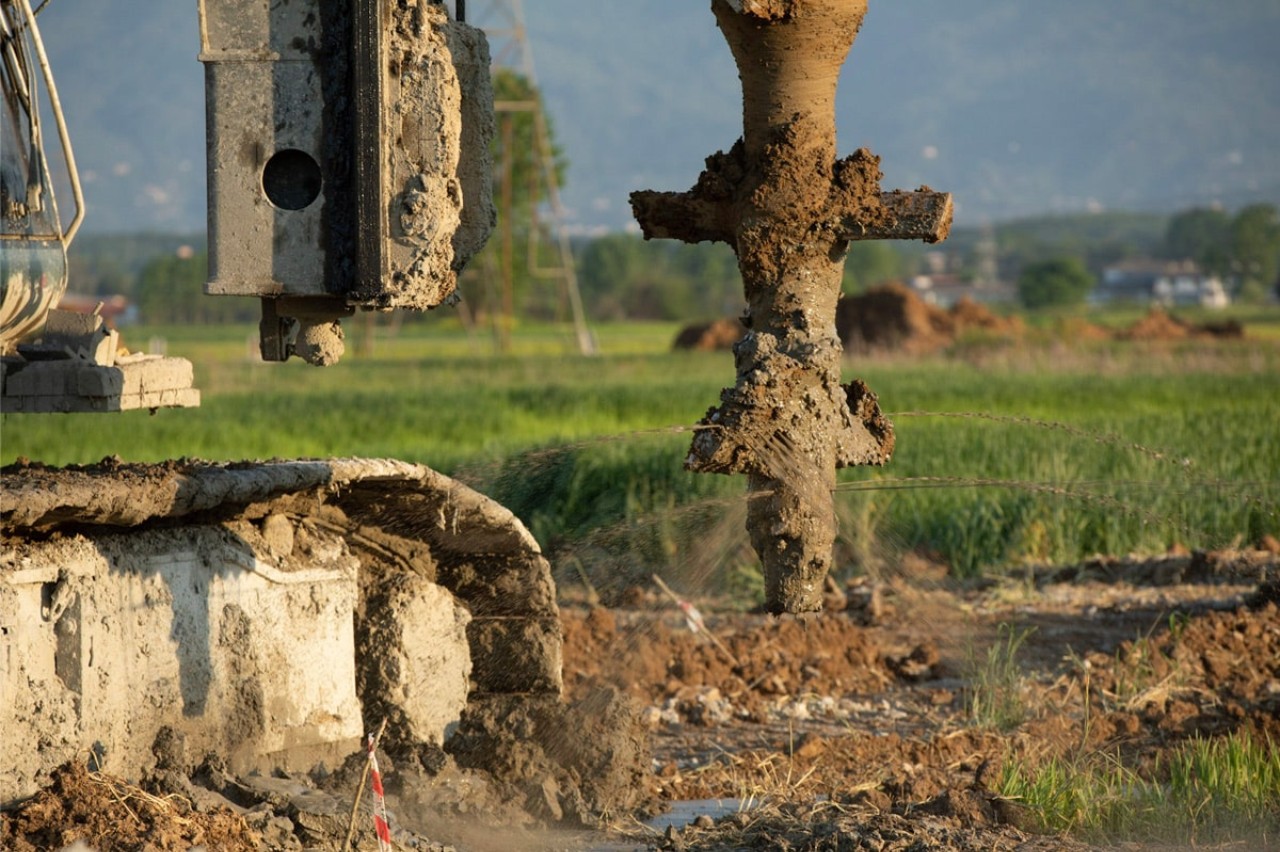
(503,24)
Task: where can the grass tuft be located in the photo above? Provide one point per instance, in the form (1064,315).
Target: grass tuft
(995,695)
(1207,791)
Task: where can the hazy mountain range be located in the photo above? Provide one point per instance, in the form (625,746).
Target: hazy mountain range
(1018,107)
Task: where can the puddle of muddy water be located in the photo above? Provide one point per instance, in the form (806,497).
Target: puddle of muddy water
(684,813)
(681,814)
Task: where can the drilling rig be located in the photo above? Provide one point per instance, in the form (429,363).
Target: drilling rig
(272,611)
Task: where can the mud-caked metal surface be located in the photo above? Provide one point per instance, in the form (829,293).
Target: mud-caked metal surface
(348,160)
(789,208)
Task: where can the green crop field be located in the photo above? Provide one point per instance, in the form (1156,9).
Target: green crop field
(1006,456)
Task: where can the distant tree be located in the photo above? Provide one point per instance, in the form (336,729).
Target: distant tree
(624,276)
(1202,235)
(528,185)
(1059,281)
(170,290)
(1255,247)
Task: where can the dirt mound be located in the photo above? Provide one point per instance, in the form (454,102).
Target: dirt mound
(1073,329)
(970,315)
(893,318)
(664,664)
(111,815)
(1158,324)
(1220,671)
(713,336)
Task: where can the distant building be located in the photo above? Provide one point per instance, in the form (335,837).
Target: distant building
(1168,283)
(945,281)
(945,289)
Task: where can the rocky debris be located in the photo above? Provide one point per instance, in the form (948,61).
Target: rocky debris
(110,814)
(953,820)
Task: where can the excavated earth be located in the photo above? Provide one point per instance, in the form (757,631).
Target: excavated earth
(852,729)
(894,318)
(845,730)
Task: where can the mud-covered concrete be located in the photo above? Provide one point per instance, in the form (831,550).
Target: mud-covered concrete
(266,613)
(110,640)
(789,208)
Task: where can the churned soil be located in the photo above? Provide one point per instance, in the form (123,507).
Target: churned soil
(855,728)
(849,729)
(109,815)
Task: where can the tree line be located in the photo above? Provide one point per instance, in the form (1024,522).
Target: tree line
(1242,249)
(1054,260)
(623,276)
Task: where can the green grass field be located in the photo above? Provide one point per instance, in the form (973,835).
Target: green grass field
(1005,455)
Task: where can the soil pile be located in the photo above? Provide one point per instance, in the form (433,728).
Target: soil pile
(717,335)
(970,315)
(893,318)
(110,814)
(1158,324)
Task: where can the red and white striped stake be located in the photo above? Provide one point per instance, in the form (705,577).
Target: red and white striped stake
(693,618)
(379,802)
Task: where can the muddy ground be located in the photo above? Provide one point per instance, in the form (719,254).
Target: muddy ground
(855,729)
(852,729)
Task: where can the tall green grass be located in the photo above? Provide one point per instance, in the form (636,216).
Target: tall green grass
(1004,456)
(1205,791)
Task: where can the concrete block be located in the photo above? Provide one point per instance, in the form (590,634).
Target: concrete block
(73,385)
(108,642)
(96,381)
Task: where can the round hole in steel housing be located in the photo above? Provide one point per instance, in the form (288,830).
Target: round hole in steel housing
(291,179)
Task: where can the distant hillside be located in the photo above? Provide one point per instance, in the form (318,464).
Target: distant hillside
(1150,104)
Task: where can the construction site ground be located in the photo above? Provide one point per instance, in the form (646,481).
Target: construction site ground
(853,729)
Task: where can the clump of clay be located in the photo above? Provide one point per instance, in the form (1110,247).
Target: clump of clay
(319,343)
(566,763)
